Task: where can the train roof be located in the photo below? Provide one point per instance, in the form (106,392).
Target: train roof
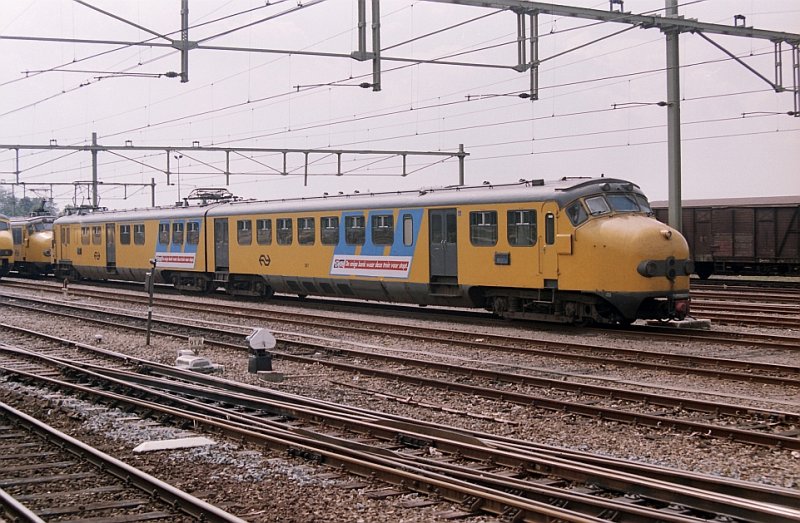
(29,219)
(562,191)
(762,201)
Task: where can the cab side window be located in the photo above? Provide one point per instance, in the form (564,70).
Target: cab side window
(576,213)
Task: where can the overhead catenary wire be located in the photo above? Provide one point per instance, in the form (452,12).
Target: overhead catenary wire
(431,106)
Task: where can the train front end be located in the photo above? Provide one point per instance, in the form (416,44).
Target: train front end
(637,266)
(6,246)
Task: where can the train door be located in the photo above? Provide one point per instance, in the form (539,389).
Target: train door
(548,246)
(221,244)
(111,245)
(444,243)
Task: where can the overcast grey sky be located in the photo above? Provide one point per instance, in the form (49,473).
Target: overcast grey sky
(292,101)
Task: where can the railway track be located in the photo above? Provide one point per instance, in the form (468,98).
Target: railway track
(301,317)
(728,307)
(652,408)
(49,476)
(481,472)
(580,350)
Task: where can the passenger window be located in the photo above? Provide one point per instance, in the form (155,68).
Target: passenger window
(330,230)
(408,230)
(521,228)
(244,232)
(264,232)
(383,229)
(125,234)
(96,234)
(284,231)
(577,214)
(177,233)
(597,205)
(193,233)
(354,230)
(483,228)
(138,234)
(305,231)
(549,229)
(163,233)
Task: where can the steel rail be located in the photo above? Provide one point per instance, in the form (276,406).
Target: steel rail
(357,462)
(152,486)
(602,413)
(248,311)
(549,348)
(664,492)
(302,318)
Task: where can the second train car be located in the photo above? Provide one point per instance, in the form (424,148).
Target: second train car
(33,244)
(6,246)
(573,250)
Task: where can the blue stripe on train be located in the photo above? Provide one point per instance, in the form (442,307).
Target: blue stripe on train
(370,249)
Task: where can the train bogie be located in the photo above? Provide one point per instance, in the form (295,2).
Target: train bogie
(572,251)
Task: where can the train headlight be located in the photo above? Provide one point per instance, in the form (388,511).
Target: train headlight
(46,253)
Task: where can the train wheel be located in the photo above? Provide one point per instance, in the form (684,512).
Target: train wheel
(264,291)
(499,306)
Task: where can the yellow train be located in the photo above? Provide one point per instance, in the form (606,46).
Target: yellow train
(6,246)
(573,250)
(33,244)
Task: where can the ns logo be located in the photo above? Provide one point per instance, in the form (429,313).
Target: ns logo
(264,260)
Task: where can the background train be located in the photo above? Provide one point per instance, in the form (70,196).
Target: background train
(747,236)
(574,250)
(33,244)
(6,246)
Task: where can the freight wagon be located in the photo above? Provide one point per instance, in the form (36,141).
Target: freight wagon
(747,236)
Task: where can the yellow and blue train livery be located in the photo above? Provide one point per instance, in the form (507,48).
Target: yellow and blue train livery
(6,246)
(572,250)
